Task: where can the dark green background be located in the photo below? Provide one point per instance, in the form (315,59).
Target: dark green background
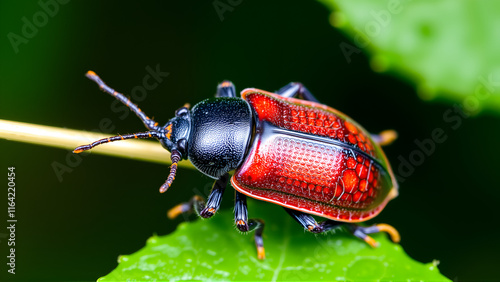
(75,229)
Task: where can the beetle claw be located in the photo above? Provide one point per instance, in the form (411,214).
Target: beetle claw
(370,241)
(362,233)
(261,253)
(242,225)
(207,212)
(393,233)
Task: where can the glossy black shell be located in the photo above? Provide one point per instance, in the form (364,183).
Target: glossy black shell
(221,129)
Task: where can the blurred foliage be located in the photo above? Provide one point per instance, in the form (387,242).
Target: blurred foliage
(448,48)
(214,250)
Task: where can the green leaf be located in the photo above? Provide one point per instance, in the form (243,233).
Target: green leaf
(448,48)
(213,250)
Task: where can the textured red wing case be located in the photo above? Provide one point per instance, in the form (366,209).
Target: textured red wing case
(312,158)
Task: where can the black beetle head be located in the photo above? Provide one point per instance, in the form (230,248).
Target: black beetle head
(175,133)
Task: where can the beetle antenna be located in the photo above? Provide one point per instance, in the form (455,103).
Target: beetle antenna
(149,123)
(175,157)
(140,135)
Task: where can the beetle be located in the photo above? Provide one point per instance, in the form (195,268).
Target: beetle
(285,148)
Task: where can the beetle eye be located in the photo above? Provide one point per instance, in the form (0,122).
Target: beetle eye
(182,112)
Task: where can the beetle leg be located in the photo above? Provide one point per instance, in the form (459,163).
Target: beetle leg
(197,203)
(296,89)
(226,89)
(385,137)
(310,224)
(362,232)
(215,197)
(246,225)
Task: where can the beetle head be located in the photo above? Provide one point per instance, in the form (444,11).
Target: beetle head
(175,133)
(174,138)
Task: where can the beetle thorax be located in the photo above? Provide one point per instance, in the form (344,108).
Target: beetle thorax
(220,134)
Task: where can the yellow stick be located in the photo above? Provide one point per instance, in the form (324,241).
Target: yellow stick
(70,139)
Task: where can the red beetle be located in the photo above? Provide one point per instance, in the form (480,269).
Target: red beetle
(297,153)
